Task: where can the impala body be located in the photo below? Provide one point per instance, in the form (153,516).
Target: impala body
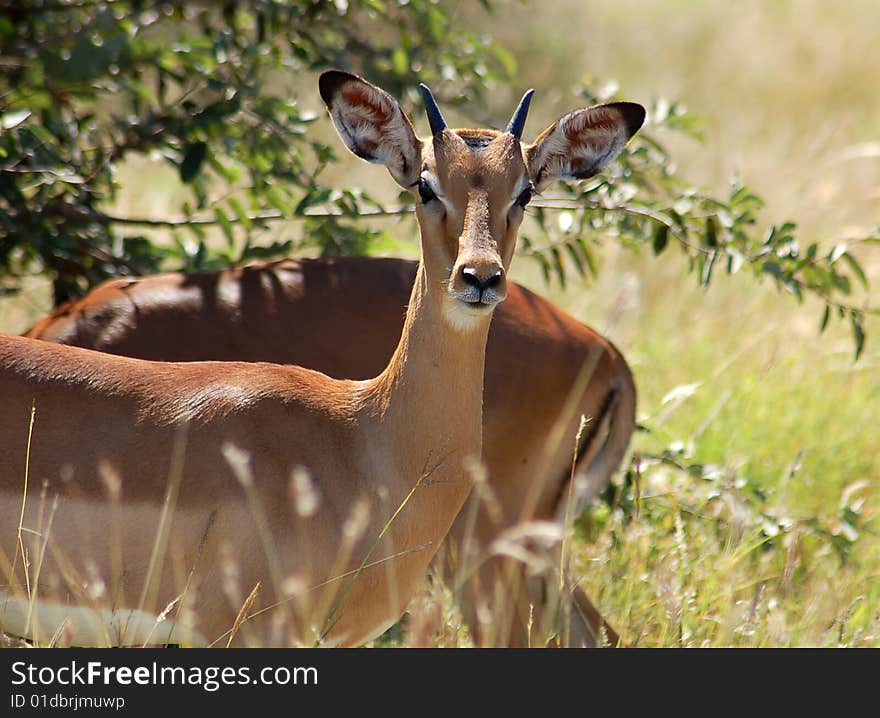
(344,317)
(239,497)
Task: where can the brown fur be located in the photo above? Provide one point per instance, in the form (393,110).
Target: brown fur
(364,442)
(312,312)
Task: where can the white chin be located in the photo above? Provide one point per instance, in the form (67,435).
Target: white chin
(465,316)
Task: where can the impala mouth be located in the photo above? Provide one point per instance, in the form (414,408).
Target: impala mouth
(479,306)
(465,312)
(476,301)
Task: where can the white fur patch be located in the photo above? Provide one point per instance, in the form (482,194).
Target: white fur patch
(358,130)
(461,318)
(218,398)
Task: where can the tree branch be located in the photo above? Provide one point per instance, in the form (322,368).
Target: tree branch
(71,212)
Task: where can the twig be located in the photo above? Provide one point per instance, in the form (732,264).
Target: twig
(71,212)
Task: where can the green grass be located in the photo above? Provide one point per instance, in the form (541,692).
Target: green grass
(776,544)
(737,377)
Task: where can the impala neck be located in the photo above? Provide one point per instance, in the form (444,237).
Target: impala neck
(431,393)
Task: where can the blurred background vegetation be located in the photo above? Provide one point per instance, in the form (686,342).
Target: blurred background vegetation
(731,254)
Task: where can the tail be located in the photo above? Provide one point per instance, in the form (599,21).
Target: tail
(598,458)
(604,446)
(612,432)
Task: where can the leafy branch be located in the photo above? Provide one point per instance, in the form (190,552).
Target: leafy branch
(645,203)
(201,88)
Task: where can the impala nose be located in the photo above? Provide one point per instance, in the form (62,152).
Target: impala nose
(472,278)
(480,282)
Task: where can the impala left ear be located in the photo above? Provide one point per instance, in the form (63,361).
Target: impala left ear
(581,143)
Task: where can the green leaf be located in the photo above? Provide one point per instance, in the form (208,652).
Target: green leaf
(556,255)
(786,229)
(661,237)
(240,212)
(278,200)
(826,315)
(773,269)
(856,268)
(139,90)
(226,225)
(314,197)
(200,191)
(711,238)
(706,276)
(858,333)
(198,259)
(792,286)
(544,263)
(390,243)
(588,256)
(576,259)
(841,282)
(193,157)
(400,60)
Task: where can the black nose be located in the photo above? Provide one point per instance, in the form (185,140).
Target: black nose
(470,277)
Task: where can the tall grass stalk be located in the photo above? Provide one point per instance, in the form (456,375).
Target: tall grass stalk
(564,583)
(44,535)
(27,467)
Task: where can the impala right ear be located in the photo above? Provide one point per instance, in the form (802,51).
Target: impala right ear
(372,124)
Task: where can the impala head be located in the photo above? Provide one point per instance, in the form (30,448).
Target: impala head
(472,186)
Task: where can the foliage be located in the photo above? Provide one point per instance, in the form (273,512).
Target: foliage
(706,554)
(87,85)
(645,202)
(731,502)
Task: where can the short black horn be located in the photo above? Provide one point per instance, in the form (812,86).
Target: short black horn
(518,121)
(435,119)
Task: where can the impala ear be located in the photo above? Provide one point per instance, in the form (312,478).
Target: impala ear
(372,124)
(579,144)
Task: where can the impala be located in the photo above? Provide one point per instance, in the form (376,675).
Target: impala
(272,498)
(344,317)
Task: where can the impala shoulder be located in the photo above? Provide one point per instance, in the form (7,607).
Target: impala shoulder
(204,392)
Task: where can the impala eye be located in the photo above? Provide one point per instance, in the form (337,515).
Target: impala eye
(425,191)
(524,197)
